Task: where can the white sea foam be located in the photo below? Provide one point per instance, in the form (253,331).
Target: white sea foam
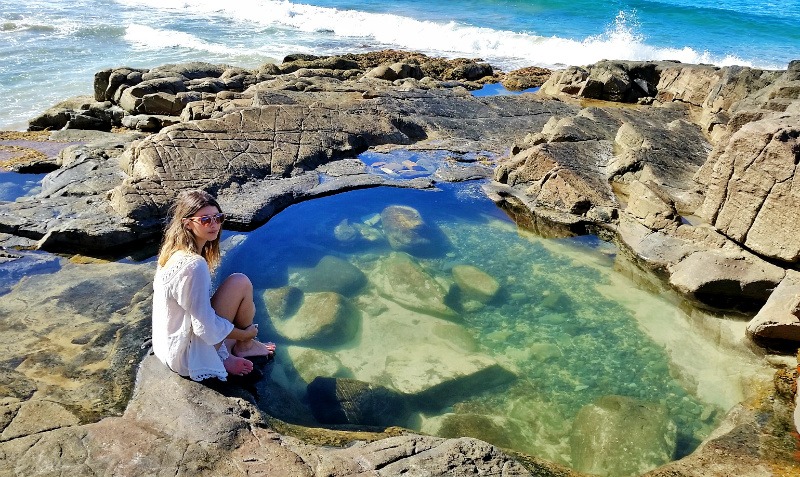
(506,49)
(148,38)
(43,24)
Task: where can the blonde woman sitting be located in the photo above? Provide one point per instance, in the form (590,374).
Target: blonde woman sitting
(198,335)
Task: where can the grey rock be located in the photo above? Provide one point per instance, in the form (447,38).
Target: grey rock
(160,103)
(132,98)
(291,64)
(469,71)
(107,82)
(59,115)
(186,71)
(751,195)
(651,206)
(36,416)
(85,121)
(241,150)
(149,122)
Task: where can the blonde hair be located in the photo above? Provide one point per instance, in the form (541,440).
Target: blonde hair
(178,237)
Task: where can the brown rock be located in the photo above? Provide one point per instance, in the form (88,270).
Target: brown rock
(651,206)
(777,322)
(752,197)
(525,78)
(726,279)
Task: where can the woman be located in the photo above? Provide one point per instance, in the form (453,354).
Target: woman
(196,334)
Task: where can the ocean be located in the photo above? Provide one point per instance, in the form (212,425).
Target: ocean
(49,50)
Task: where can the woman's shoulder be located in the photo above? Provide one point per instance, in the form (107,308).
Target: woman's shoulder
(179,263)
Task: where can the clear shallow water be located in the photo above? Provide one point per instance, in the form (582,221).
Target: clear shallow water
(566,322)
(51,50)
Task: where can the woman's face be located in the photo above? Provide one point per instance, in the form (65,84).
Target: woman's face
(204,232)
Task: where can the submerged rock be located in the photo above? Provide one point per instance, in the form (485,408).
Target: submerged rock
(324,318)
(73,338)
(401,279)
(331,274)
(436,376)
(310,363)
(477,426)
(349,401)
(611,423)
(283,302)
(408,232)
(475,283)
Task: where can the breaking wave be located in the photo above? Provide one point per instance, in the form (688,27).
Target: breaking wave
(621,40)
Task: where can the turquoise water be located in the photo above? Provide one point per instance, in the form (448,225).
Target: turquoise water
(51,50)
(569,326)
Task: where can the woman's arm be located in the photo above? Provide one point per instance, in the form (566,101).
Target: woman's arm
(244,334)
(194,296)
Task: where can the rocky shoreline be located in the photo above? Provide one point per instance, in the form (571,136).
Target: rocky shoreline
(690,169)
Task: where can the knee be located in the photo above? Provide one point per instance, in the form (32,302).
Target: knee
(241,282)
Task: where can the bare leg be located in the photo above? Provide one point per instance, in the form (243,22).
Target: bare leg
(233,301)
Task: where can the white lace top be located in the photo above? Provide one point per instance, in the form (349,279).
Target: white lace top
(185,326)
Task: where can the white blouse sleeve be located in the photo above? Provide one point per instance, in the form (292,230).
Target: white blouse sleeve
(193,294)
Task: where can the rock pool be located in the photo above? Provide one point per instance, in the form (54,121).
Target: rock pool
(439,314)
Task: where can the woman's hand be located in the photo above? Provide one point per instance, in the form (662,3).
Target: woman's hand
(251,332)
(244,334)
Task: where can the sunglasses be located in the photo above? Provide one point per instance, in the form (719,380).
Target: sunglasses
(206,220)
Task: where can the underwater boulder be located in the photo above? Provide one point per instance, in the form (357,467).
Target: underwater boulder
(402,279)
(283,302)
(611,423)
(436,376)
(475,284)
(311,363)
(407,232)
(324,318)
(295,367)
(350,401)
(332,274)
(479,426)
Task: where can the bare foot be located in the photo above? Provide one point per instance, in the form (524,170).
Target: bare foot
(238,366)
(244,349)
